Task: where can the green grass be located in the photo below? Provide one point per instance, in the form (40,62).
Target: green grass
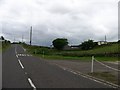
(99,52)
(107,76)
(0,47)
(107,58)
(5,46)
(56,57)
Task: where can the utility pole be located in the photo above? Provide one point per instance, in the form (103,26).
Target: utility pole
(22,38)
(105,39)
(30,35)
(14,38)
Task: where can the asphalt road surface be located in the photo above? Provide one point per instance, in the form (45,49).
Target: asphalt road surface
(21,70)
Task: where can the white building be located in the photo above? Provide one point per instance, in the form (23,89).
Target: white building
(102,42)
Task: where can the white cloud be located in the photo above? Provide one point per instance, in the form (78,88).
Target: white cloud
(76,20)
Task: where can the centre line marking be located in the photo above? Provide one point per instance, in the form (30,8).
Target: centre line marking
(31,83)
(17,56)
(20,64)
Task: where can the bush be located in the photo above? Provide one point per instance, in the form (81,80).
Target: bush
(86,45)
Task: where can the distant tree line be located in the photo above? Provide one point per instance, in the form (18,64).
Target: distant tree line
(4,41)
(86,45)
(60,43)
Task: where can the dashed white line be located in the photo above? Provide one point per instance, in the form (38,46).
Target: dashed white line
(15,51)
(17,56)
(24,49)
(21,64)
(31,83)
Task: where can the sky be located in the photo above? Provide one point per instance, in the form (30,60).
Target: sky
(76,20)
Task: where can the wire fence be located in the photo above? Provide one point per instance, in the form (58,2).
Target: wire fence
(103,65)
(107,66)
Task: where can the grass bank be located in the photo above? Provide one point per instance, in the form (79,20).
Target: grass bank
(57,57)
(103,53)
(107,76)
(5,46)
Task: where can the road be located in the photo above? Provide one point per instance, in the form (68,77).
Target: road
(21,70)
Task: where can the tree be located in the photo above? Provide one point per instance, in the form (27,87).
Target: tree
(2,38)
(118,41)
(86,45)
(59,43)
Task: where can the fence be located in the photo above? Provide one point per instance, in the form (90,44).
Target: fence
(107,66)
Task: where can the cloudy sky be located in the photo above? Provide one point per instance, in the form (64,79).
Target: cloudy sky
(76,20)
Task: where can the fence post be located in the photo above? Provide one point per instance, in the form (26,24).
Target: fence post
(92,65)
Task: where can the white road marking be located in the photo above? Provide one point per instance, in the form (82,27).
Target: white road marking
(24,49)
(23,55)
(21,64)
(89,77)
(31,83)
(16,55)
(15,51)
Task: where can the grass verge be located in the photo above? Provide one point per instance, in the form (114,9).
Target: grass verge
(4,47)
(107,76)
(57,57)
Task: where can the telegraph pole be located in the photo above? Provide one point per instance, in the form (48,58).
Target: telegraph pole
(30,35)
(105,39)
(22,38)
(14,38)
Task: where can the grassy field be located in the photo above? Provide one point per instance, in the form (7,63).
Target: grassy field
(102,53)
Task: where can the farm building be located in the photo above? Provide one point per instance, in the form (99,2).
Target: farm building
(102,42)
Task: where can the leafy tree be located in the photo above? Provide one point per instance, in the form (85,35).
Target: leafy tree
(59,43)
(2,38)
(86,45)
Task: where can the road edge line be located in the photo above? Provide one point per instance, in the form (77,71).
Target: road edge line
(89,77)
